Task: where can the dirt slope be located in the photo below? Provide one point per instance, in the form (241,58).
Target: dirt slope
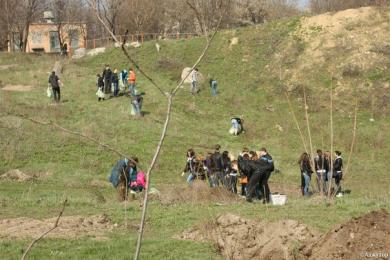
(358,238)
(352,45)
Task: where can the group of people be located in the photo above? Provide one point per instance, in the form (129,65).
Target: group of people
(126,177)
(325,170)
(251,169)
(110,83)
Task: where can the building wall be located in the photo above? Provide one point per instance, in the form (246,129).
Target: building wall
(44,37)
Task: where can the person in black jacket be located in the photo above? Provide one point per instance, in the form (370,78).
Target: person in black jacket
(264,187)
(226,168)
(258,170)
(190,166)
(216,166)
(107,76)
(100,85)
(55,82)
(321,167)
(338,171)
(306,171)
(232,177)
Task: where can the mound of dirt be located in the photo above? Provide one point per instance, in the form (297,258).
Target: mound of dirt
(68,227)
(349,45)
(16,175)
(20,88)
(358,238)
(199,192)
(239,238)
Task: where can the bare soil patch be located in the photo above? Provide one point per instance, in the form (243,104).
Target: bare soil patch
(239,238)
(19,88)
(16,175)
(69,227)
(368,234)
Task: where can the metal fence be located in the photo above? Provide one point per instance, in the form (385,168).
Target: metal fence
(142,37)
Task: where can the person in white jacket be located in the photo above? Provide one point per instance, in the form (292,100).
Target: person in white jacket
(194,81)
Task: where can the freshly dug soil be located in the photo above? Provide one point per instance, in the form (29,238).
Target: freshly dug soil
(69,227)
(360,238)
(239,238)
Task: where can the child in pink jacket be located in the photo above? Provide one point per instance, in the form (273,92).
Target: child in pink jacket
(140,184)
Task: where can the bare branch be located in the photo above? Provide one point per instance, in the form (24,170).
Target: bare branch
(55,125)
(163,135)
(308,127)
(331,137)
(353,138)
(46,232)
(352,144)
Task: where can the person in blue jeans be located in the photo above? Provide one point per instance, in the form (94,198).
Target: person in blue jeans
(306,171)
(190,166)
(213,86)
(136,105)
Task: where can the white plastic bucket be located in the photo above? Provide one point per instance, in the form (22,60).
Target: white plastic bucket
(278,199)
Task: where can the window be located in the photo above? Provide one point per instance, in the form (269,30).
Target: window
(54,42)
(36,37)
(74,39)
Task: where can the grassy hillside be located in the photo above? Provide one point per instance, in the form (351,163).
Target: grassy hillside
(248,77)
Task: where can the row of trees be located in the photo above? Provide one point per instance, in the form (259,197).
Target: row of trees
(153,16)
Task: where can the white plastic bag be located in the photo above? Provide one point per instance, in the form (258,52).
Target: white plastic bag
(100,93)
(121,86)
(49,92)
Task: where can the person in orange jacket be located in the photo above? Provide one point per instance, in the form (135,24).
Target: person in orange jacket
(132,80)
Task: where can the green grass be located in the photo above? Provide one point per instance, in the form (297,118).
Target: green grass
(246,86)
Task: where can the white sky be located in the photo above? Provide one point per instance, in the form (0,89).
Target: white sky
(303,3)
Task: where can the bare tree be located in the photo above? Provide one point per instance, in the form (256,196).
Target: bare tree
(59,10)
(207,13)
(111,10)
(31,8)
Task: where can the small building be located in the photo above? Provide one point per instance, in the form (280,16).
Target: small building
(45,36)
